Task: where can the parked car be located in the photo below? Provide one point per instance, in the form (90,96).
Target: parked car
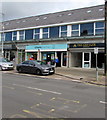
(35,67)
(5,64)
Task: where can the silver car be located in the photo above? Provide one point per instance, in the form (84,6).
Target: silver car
(5,64)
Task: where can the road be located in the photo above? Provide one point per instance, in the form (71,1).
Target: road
(31,96)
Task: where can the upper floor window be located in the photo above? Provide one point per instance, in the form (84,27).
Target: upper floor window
(87,29)
(99,28)
(8,36)
(45,33)
(21,35)
(75,30)
(2,36)
(54,32)
(37,33)
(63,31)
(28,34)
(14,35)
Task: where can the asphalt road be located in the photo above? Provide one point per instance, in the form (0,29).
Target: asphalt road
(26,96)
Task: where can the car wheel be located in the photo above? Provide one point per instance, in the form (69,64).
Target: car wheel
(0,68)
(38,72)
(19,70)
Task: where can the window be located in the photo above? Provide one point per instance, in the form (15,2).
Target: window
(8,36)
(99,28)
(2,36)
(37,33)
(75,30)
(87,29)
(63,31)
(28,34)
(14,35)
(45,33)
(21,35)
(54,32)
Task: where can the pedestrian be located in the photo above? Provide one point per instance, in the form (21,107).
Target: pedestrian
(56,61)
(31,58)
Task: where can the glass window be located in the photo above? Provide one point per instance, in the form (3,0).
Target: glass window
(54,32)
(8,36)
(14,35)
(37,33)
(99,28)
(86,29)
(28,34)
(45,33)
(2,36)
(75,30)
(21,35)
(64,31)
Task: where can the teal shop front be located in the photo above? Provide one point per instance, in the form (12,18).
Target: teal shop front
(48,53)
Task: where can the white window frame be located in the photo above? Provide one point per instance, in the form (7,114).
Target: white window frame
(22,34)
(62,31)
(14,35)
(45,32)
(36,33)
(76,29)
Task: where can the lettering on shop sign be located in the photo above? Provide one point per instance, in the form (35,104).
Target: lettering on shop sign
(86,45)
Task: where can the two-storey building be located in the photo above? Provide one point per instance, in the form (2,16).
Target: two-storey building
(70,35)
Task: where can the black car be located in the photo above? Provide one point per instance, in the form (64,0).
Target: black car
(35,67)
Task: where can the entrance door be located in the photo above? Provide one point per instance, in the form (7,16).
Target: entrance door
(86,60)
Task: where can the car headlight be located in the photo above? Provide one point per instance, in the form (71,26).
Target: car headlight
(4,65)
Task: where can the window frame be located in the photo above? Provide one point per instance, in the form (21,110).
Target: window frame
(22,35)
(62,31)
(34,33)
(44,33)
(75,30)
(99,28)
(13,35)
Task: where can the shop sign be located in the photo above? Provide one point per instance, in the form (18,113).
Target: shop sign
(86,45)
(45,47)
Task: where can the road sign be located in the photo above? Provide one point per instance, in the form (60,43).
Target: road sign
(95,50)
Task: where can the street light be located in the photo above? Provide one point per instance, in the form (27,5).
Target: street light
(2,39)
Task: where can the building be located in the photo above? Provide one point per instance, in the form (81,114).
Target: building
(70,35)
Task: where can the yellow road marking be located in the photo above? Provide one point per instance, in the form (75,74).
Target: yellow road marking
(18,115)
(32,113)
(52,98)
(68,100)
(9,87)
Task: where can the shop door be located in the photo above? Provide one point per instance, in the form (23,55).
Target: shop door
(86,60)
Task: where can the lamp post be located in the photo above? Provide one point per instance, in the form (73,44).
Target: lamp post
(2,40)
(106,37)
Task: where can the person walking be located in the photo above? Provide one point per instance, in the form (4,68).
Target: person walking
(56,61)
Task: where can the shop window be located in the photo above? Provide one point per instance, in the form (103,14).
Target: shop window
(14,35)
(21,35)
(37,33)
(87,29)
(45,33)
(28,34)
(99,28)
(54,32)
(8,36)
(75,30)
(63,31)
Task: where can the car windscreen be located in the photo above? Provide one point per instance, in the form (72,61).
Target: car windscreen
(4,60)
(40,62)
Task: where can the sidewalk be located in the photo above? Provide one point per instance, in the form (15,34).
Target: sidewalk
(82,74)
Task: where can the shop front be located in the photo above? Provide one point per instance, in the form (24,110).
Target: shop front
(48,53)
(82,55)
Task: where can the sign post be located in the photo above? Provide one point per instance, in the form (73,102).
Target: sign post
(96,52)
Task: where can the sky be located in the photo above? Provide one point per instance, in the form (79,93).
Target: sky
(14,9)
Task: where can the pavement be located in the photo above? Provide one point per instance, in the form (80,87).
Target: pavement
(83,75)
(79,75)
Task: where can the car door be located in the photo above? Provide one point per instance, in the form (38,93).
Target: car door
(31,67)
(25,66)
